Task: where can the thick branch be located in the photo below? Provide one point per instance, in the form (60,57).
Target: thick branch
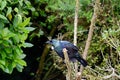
(69,73)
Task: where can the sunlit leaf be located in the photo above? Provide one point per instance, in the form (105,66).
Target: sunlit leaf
(19,67)
(22,62)
(26,22)
(16,9)
(6,70)
(22,56)
(2,67)
(2,62)
(27,45)
(9,11)
(3,4)
(18,51)
(9,16)
(30,28)
(3,17)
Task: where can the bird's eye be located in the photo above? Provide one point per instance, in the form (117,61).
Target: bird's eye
(51,41)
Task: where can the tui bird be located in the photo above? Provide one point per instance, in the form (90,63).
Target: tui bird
(72,50)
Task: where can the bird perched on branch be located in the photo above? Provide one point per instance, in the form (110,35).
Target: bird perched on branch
(72,50)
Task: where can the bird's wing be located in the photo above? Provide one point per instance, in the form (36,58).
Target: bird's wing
(69,46)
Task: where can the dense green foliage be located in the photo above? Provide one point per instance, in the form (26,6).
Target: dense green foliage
(13,34)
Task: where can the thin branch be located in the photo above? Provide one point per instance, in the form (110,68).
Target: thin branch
(75,29)
(44,54)
(93,21)
(76,22)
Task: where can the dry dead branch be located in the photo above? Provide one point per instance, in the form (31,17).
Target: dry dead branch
(67,62)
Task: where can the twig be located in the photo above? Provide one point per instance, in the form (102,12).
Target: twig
(113,74)
(69,73)
(48,72)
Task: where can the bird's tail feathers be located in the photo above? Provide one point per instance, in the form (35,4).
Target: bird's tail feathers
(82,61)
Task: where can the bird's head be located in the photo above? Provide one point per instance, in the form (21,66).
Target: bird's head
(53,42)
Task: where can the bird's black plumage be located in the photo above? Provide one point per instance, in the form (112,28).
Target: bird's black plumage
(72,50)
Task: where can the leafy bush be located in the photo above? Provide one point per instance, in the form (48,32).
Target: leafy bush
(13,34)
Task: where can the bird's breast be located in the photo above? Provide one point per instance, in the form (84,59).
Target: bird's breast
(59,51)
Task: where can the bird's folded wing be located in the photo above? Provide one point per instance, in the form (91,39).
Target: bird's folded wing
(69,46)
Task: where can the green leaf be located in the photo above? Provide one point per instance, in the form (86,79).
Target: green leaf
(2,62)
(30,28)
(13,64)
(5,43)
(6,34)
(118,48)
(17,20)
(9,11)
(23,37)
(26,22)
(19,67)
(16,9)
(27,45)
(2,67)
(18,50)
(21,2)
(10,34)
(3,17)
(22,56)
(1,25)
(3,54)
(40,33)
(8,50)
(16,39)
(27,3)
(3,4)
(21,62)
(10,68)
(6,70)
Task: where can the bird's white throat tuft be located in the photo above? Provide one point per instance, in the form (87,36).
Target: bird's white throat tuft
(52,47)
